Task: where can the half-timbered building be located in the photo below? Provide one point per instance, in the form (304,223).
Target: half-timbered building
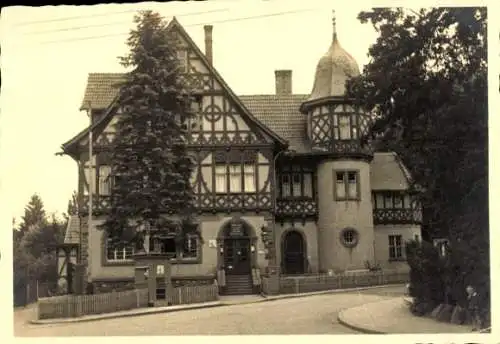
(293,163)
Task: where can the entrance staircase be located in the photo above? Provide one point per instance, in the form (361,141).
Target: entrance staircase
(239,285)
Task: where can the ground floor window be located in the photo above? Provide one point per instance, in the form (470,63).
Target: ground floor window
(189,248)
(395,247)
(119,252)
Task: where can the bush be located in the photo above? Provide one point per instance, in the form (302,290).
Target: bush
(426,271)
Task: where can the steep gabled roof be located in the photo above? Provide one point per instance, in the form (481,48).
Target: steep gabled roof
(387,172)
(97,95)
(72,235)
(281,114)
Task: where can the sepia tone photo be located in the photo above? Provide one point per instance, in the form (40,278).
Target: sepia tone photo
(226,168)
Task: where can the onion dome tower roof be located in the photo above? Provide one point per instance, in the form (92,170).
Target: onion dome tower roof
(333,70)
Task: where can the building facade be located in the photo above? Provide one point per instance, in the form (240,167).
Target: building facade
(293,163)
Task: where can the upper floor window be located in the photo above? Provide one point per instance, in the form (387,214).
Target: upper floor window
(195,123)
(235,178)
(345,126)
(296,183)
(391,200)
(105,182)
(183,60)
(347,185)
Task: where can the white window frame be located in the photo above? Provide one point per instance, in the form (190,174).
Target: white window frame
(393,245)
(343,185)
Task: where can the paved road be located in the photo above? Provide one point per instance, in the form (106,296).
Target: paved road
(305,315)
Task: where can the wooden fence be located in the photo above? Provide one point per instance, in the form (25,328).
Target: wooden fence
(311,283)
(69,306)
(193,294)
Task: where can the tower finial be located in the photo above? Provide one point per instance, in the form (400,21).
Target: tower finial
(334,24)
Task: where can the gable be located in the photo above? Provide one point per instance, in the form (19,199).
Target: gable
(223,120)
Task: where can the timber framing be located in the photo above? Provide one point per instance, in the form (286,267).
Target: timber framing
(71,147)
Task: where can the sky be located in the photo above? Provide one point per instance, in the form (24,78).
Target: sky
(49,51)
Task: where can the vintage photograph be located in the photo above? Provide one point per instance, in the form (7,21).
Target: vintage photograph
(240,168)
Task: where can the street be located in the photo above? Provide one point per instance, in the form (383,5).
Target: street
(304,315)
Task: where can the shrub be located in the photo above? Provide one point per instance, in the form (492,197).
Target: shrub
(426,271)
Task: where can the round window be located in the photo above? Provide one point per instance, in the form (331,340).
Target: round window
(349,237)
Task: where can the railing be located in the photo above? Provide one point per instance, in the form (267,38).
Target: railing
(396,216)
(321,282)
(203,202)
(100,204)
(296,208)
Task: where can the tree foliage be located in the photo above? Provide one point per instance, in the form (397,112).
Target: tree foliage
(150,163)
(34,246)
(34,214)
(426,85)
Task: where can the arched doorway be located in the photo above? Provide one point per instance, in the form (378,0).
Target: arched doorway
(293,256)
(237,240)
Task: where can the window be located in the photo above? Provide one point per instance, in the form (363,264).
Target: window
(307,180)
(190,247)
(346,185)
(391,200)
(296,184)
(234,178)
(87,179)
(196,122)
(345,127)
(182,57)
(220,179)
(241,178)
(285,186)
(119,252)
(395,247)
(349,237)
(249,180)
(169,248)
(104,180)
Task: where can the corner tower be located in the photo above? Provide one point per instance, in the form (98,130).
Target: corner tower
(335,126)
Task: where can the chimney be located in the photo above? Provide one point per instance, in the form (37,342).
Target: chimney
(208,42)
(283,81)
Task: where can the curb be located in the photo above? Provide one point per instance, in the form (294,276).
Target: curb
(199,306)
(357,328)
(343,321)
(323,292)
(123,315)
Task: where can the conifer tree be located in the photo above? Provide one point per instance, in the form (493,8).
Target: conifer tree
(151,167)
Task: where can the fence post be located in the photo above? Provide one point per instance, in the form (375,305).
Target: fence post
(296,286)
(180,295)
(37,290)
(137,297)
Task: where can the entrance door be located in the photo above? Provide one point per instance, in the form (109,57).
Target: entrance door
(293,253)
(237,256)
